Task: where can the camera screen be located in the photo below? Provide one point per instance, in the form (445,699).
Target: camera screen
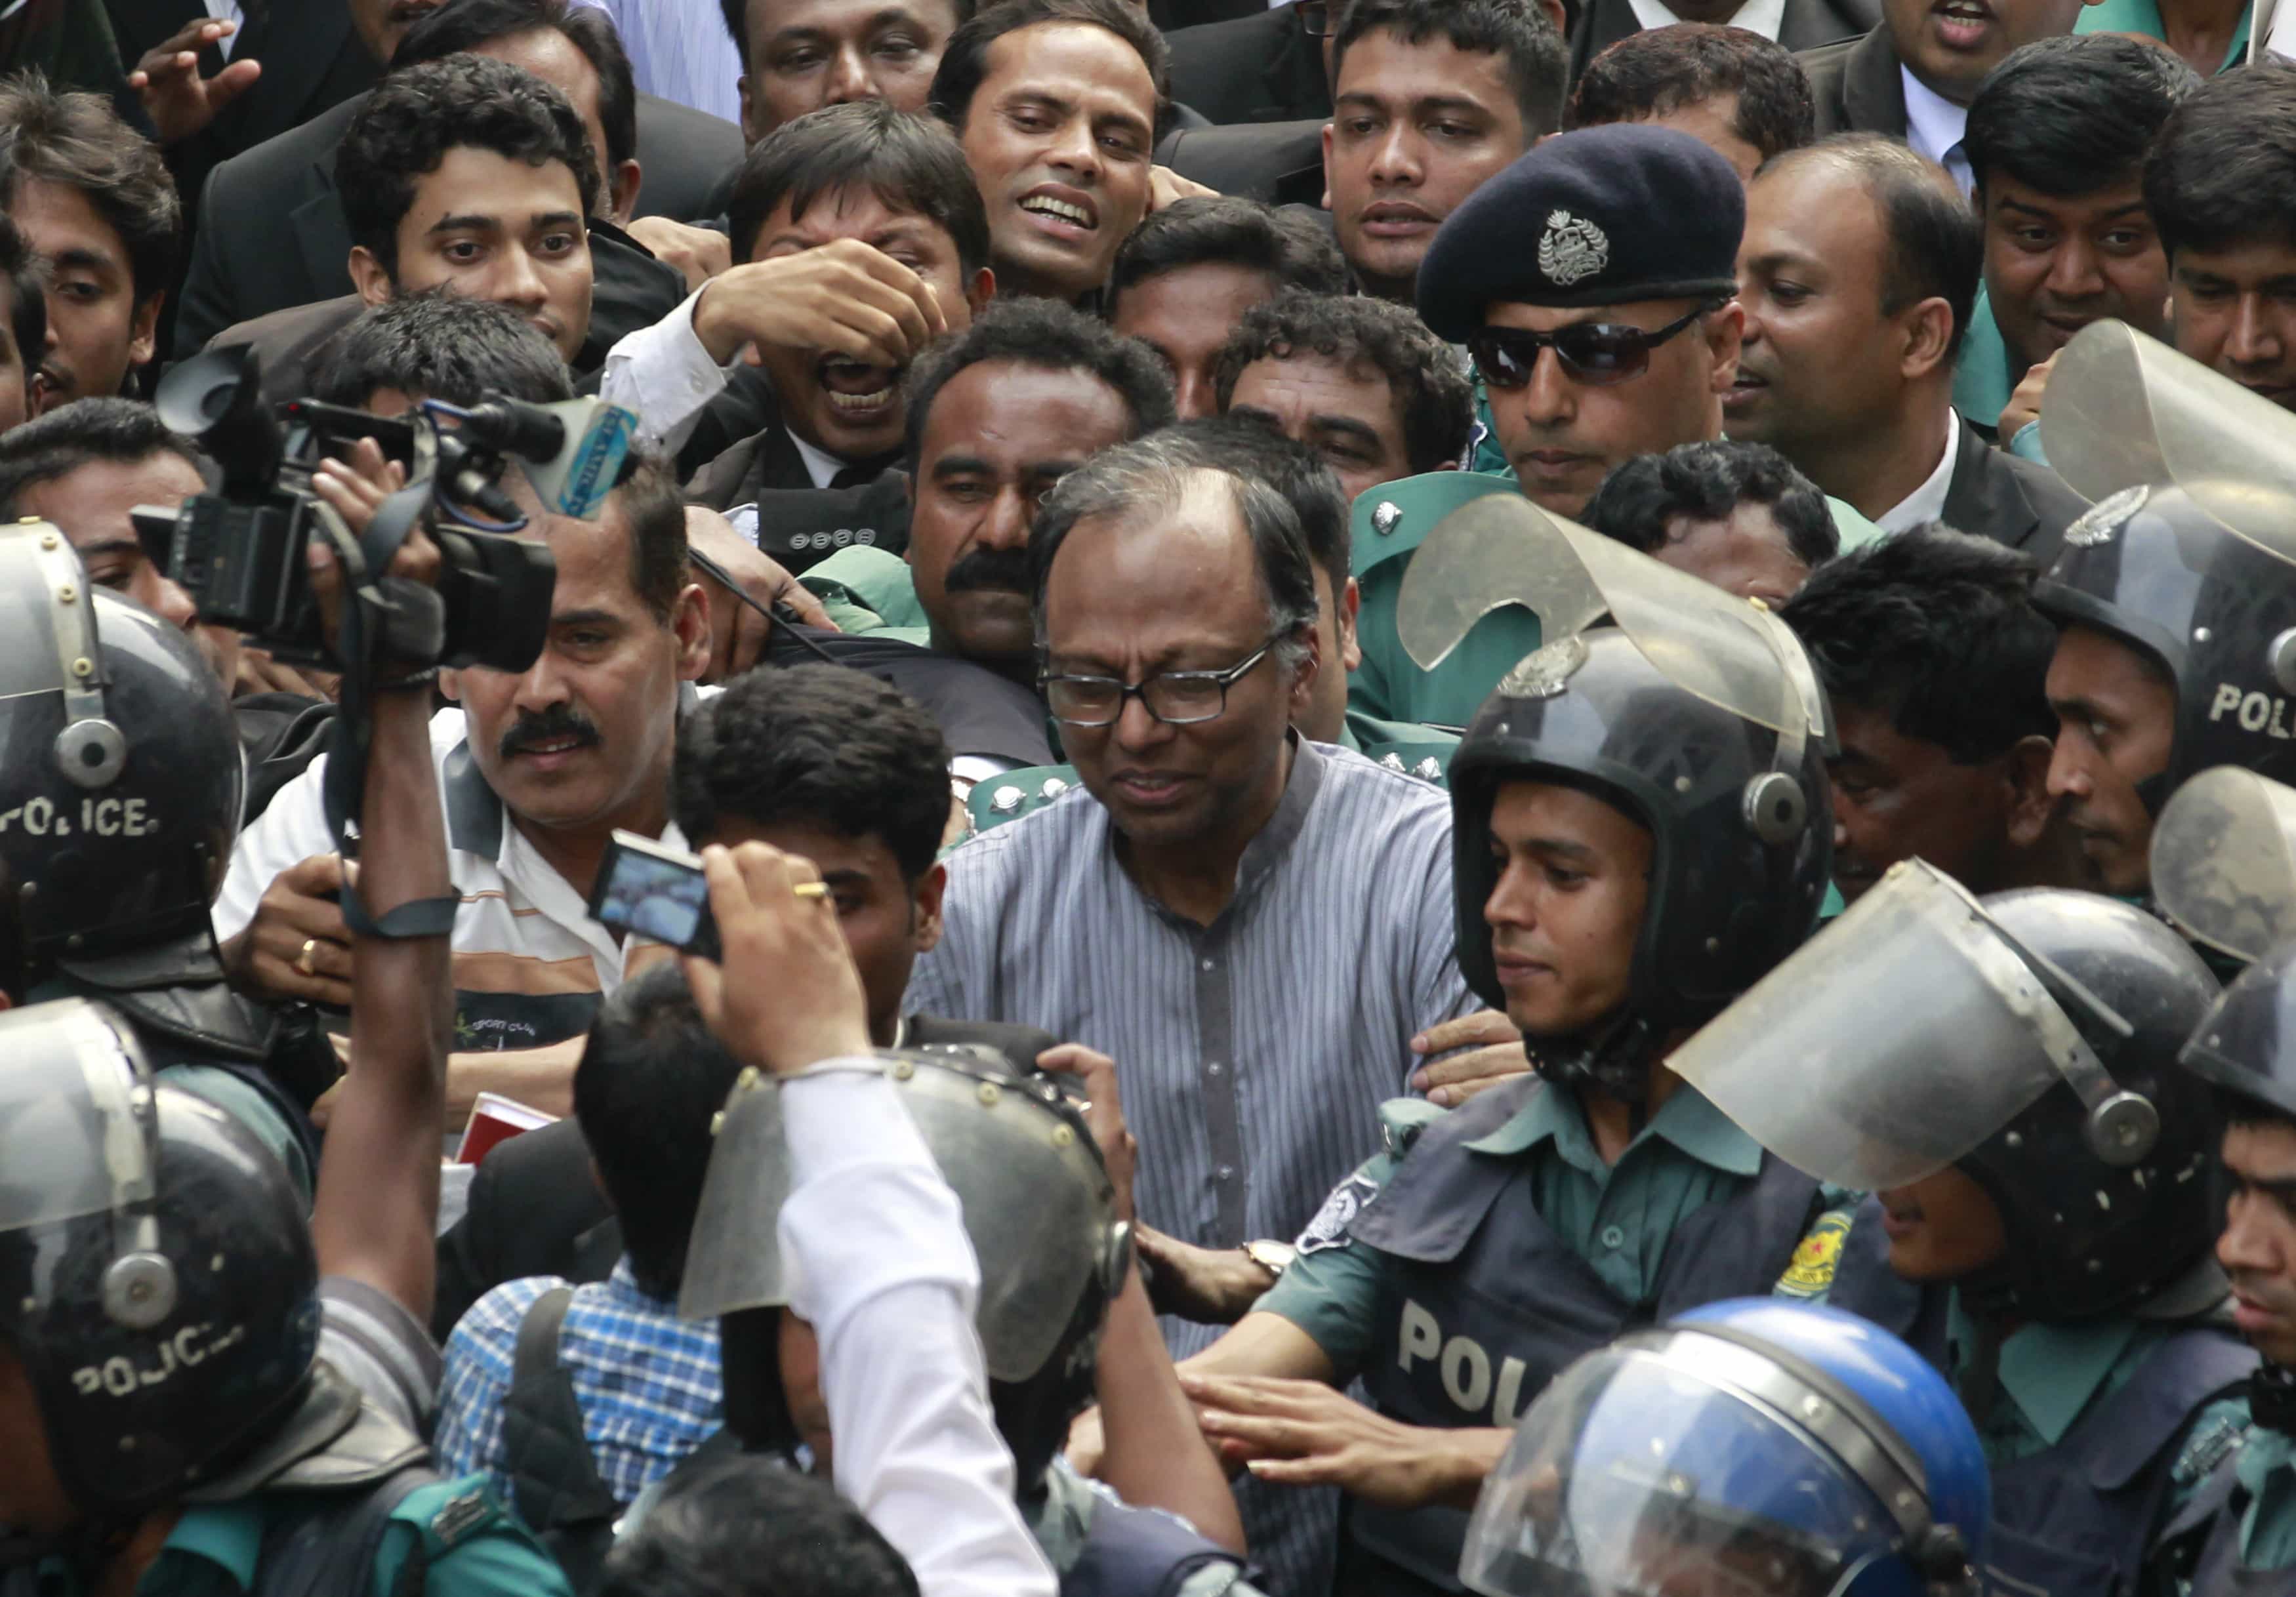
(658,898)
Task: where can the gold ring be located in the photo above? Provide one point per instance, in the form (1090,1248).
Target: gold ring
(811,889)
(303,960)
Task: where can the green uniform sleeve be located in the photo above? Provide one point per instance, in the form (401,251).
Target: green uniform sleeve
(1338,1290)
(251,1109)
(475,1547)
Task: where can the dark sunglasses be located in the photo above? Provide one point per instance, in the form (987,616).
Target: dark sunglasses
(1597,354)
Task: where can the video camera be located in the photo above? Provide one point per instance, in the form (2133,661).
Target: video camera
(238,552)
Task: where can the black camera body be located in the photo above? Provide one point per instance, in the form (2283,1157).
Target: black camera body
(240,551)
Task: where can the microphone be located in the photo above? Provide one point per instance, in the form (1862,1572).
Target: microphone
(572,451)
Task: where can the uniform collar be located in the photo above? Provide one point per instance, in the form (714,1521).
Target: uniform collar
(2053,1372)
(1688,1120)
(228,1535)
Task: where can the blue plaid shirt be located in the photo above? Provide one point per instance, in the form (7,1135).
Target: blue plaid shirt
(647,1380)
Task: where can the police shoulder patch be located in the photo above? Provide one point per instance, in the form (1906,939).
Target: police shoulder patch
(461,1515)
(2102,520)
(1329,1228)
(1810,1272)
(2221,1432)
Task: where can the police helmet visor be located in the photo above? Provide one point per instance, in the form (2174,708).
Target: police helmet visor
(1502,549)
(2125,411)
(1037,1204)
(1890,1046)
(2246,1043)
(78,1124)
(2224,861)
(1657,1471)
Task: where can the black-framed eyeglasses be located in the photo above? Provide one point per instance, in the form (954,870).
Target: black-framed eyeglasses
(1316,17)
(1174,698)
(1597,354)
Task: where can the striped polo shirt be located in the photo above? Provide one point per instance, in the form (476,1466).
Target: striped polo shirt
(529,962)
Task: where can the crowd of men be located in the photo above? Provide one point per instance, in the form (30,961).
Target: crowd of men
(1488,792)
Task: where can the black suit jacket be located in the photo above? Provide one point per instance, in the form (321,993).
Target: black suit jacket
(273,233)
(1280,163)
(630,289)
(1259,68)
(1857,86)
(1808,24)
(535,1208)
(2009,499)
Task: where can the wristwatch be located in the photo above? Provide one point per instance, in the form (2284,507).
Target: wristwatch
(1275,1258)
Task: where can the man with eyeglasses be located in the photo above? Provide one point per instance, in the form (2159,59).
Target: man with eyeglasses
(1592,282)
(1185,910)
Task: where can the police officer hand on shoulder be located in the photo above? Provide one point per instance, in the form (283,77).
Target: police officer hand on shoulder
(1637,839)
(201,1388)
(2002,1074)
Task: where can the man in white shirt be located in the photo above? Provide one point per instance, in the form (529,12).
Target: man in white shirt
(1855,275)
(1914,77)
(538,769)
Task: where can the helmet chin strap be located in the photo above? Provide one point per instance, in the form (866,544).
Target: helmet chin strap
(1613,1055)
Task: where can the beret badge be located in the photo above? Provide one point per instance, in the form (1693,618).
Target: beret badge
(1571,249)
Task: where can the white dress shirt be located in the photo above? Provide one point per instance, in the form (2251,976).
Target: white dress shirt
(1926,503)
(665,374)
(225,10)
(883,1269)
(1764,17)
(1933,127)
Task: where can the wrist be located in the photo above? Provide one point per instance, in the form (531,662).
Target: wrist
(720,342)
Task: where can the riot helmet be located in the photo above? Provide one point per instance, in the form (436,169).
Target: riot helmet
(122,786)
(2188,557)
(2245,1045)
(1753,1444)
(1038,1206)
(2224,862)
(1691,711)
(2030,1039)
(157,1276)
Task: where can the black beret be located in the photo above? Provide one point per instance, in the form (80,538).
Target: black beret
(1604,215)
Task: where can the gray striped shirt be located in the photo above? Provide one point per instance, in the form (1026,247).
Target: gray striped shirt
(1254,1052)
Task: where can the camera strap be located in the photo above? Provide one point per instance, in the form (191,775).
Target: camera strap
(368,613)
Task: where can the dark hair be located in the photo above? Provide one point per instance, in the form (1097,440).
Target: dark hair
(28,301)
(964,59)
(1661,71)
(1303,477)
(2073,114)
(651,1079)
(441,346)
(1158,472)
(817,746)
(737,21)
(467,24)
(1052,337)
(912,163)
(76,141)
(415,116)
(2222,169)
(1228,230)
(1537,61)
(1433,399)
(1706,482)
(1936,630)
(654,510)
(748,1525)
(1932,243)
(116,431)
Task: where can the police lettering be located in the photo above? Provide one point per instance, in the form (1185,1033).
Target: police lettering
(124,1377)
(1464,1365)
(2255,712)
(100,817)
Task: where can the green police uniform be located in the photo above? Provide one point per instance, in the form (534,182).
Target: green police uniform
(2266,1470)
(474,1548)
(1981,379)
(1388,524)
(2053,1374)
(1619,1218)
(2144,16)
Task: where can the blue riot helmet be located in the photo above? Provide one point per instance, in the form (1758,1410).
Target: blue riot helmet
(1756,1448)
